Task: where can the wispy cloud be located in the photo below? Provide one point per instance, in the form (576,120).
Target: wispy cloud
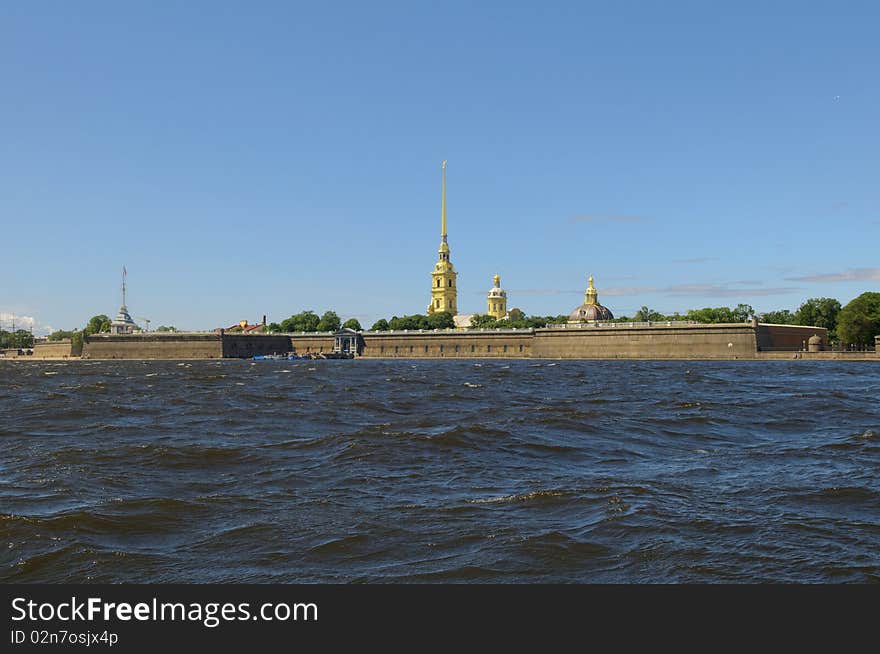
(29,323)
(677,290)
(628,290)
(695,260)
(853,275)
(612,291)
(539,291)
(715,290)
(606,218)
(747,282)
(21,322)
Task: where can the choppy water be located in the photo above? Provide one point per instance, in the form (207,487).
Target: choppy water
(439,471)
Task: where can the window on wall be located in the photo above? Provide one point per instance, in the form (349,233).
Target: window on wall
(520,348)
(473,348)
(411,349)
(488,348)
(441,348)
(450,283)
(438,304)
(438,283)
(426,349)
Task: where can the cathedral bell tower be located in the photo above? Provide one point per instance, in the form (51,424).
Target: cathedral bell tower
(496,301)
(443,277)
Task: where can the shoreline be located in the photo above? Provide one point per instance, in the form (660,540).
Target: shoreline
(760,356)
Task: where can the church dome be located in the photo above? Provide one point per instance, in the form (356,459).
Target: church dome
(496,290)
(590,313)
(590,310)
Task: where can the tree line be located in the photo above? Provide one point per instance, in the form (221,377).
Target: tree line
(17,340)
(855,324)
(99,324)
(308,321)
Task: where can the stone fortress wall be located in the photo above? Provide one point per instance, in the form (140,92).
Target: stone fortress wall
(153,345)
(607,341)
(62,349)
(667,340)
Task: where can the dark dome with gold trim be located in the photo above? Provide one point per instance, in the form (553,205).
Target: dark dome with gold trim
(590,310)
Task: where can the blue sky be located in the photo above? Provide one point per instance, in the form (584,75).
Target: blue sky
(269,157)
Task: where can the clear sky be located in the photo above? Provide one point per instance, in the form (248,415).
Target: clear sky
(243,159)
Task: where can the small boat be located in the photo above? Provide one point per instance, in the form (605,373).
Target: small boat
(290,356)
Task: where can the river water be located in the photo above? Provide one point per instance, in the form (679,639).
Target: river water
(439,471)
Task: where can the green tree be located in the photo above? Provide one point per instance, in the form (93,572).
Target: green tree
(859,321)
(483,321)
(60,335)
(781,317)
(330,322)
(352,323)
(711,315)
(305,321)
(413,322)
(380,325)
(273,327)
(648,315)
(742,313)
(19,339)
(99,324)
(76,343)
(166,328)
(516,315)
(819,312)
(441,320)
(23,338)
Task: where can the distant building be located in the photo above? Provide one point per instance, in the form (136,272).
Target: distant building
(443,290)
(496,302)
(590,310)
(123,323)
(245,327)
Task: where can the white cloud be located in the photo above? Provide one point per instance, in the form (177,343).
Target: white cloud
(29,323)
(854,275)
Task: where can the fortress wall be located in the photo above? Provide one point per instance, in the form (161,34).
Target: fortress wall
(792,337)
(244,346)
(644,342)
(726,341)
(153,346)
(820,356)
(54,349)
(311,343)
(448,344)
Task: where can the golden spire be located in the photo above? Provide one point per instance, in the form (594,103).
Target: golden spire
(592,295)
(443,204)
(497,279)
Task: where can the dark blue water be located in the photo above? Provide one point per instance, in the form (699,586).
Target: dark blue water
(439,471)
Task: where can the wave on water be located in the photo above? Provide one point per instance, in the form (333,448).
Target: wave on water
(439,471)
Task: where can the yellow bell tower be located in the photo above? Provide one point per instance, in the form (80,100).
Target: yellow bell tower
(443,278)
(496,301)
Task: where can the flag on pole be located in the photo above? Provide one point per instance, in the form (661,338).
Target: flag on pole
(124,271)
